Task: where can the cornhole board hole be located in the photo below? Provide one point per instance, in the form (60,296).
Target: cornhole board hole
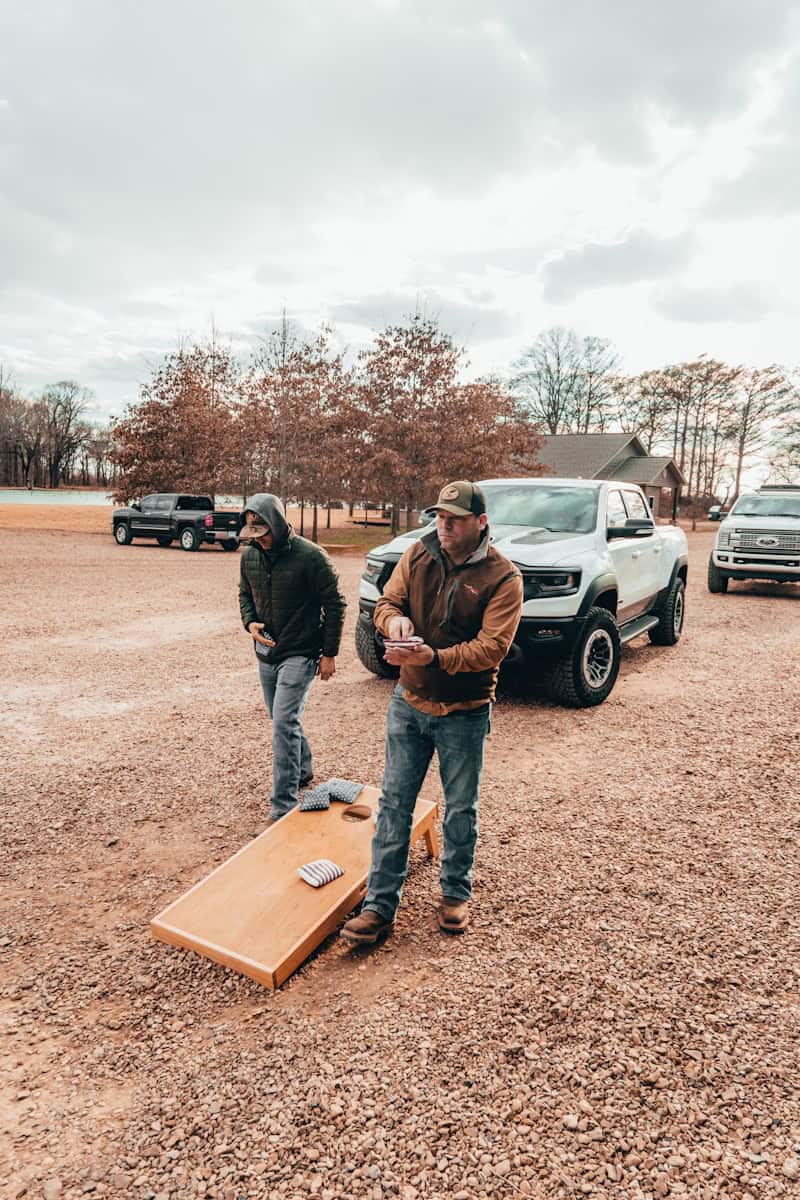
(255,914)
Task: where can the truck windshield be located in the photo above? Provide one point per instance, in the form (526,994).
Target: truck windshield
(767,506)
(557,508)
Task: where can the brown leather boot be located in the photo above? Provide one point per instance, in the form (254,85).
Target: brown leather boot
(453,915)
(366,929)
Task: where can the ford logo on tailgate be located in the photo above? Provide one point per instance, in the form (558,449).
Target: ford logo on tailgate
(766,541)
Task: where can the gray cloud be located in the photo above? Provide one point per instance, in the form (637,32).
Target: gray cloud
(638,257)
(769,184)
(768,187)
(466,322)
(739,304)
(154,149)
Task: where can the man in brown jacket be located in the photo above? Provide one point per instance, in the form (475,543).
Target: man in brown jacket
(463,598)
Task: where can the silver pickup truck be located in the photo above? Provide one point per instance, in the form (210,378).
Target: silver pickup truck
(758,539)
(597,572)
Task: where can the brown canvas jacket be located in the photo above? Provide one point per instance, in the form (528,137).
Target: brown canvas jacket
(468,613)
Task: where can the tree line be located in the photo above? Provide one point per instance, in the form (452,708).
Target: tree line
(45,441)
(713,419)
(297,419)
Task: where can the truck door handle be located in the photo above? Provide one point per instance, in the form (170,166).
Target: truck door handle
(636,554)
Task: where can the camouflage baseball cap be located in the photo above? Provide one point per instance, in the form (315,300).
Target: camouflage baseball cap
(256,527)
(462,499)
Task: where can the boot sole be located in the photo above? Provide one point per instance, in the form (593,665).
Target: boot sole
(445,928)
(366,939)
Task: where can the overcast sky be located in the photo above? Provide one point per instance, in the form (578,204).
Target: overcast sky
(630,169)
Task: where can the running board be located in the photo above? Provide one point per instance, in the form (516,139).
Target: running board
(633,628)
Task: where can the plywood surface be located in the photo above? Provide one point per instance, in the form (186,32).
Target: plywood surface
(255,913)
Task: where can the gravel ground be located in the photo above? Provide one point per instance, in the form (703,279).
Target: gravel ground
(621,1020)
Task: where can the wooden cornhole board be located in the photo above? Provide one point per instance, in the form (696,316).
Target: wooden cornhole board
(255,914)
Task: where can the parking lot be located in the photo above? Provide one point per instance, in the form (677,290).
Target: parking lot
(621,1019)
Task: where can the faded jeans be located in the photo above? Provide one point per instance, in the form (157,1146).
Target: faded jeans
(285,686)
(411,738)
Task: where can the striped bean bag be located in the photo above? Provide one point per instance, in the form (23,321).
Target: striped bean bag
(319,872)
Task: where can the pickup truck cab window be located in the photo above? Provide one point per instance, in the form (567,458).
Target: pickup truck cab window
(636,506)
(149,502)
(195,503)
(617,512)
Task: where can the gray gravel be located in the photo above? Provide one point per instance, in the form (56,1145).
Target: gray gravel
(621,1020)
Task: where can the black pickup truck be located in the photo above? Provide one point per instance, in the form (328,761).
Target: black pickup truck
(166,516)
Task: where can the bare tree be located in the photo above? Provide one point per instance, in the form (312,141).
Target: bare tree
(546,379)
(765,398)
(641,406)
(594,395)
(65,403)
(566,383)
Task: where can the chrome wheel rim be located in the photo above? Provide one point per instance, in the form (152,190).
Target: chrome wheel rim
(186,539)
(597,660)
(677,618)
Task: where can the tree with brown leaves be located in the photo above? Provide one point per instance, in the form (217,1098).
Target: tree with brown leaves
(180,436)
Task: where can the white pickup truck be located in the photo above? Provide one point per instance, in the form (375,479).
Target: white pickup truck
(597,573)
(758,539)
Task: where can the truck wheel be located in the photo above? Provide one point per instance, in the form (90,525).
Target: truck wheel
(587,674)
(230,544)
(670,620)
(367,650)
(164,541)
(717,580)
(189,539)
(122,534)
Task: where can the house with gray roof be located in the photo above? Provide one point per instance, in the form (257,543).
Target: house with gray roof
(615,456)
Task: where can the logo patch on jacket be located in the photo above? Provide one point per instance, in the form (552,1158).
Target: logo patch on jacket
(473,591)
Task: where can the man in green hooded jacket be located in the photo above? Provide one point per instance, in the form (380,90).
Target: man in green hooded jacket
(293,609)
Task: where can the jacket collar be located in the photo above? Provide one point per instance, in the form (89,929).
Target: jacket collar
(434,547)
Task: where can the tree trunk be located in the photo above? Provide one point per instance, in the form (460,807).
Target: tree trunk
(328,516)
(315,523)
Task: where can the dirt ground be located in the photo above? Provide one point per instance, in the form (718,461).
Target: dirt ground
(621,1020)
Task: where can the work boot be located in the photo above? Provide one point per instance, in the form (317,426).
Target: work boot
(453,915)
(367,928)
(306,780)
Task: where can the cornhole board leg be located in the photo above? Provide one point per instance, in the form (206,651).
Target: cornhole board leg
(255,914)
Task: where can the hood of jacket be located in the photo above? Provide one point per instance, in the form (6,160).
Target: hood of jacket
(271,510)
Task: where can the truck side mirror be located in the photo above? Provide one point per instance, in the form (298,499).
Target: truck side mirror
(634,527)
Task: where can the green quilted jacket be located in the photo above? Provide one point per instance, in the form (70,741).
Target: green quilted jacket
(293,588)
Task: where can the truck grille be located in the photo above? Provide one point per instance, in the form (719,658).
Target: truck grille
(777,542)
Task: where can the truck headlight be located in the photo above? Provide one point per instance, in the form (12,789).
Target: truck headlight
(372,571)
(539,585)
(724,539)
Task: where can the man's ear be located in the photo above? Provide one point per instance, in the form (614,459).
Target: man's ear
(483,521)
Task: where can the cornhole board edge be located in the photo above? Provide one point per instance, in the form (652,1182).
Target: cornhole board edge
(273,976)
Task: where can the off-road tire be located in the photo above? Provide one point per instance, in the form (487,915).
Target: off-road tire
(122,534)
(368,651)
(164,541)
(230,544)
(717,580)
(670,620)
(585,677)
(189,539)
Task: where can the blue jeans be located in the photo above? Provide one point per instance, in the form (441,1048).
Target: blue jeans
(411,738)
(285,686)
